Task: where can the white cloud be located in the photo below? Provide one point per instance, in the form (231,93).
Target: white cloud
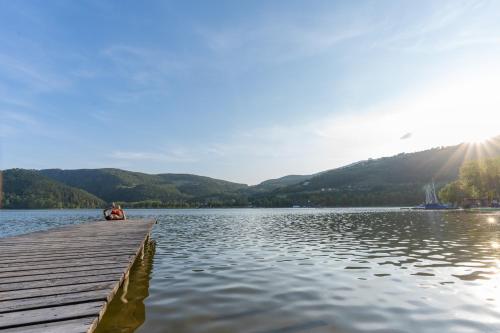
(177,155)
(445,26)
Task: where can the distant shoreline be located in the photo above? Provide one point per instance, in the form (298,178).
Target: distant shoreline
(195,208)
(403,208)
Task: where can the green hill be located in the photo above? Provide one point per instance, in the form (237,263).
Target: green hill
(396,180)
(273,184)
(140,189)
(387,181)
(114,184)
(30,189)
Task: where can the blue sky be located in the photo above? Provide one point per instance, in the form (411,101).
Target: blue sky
(242,90)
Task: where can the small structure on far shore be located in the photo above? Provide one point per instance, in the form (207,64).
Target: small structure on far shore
(480,202)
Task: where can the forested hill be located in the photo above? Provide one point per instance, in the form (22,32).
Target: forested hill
(56,188)
(396,180)
(273,184)
(30,189)
(145,190)
(388,181)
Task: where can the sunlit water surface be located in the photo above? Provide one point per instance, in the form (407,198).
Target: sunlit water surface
(304,270)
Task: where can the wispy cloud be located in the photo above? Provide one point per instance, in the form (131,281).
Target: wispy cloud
(14,123)
(26,73)
(7,98)
(134,94)
(104,116)
(142,65)
(283,38)
(176,155)
(85,73)
(445,26)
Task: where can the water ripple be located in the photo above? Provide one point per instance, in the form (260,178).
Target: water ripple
(321,270)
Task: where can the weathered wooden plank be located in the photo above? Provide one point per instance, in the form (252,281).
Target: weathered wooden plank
(15,248)
(67,254)
(63,275)
(82,226)
(39,316)
(60,282)
(79,234)
(62,246)
(131,236)
(66,263)
(59,290)
(81,325)
(41,253)
(54,300)
(62,252)
(36,272)
(47,249)
(63,239)
(100,229)
(66,257)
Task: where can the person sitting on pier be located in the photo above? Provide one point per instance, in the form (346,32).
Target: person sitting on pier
(114,213)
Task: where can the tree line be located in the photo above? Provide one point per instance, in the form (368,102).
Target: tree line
(478,184)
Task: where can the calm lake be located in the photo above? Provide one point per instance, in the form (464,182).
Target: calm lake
(304,270)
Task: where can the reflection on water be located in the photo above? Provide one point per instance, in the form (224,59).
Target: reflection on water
(127,312)
(317,270)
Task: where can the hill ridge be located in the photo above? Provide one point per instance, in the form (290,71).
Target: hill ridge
(389,180)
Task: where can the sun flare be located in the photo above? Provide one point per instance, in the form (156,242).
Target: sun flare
(479,138)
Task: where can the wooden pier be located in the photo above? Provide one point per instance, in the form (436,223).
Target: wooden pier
(61,280)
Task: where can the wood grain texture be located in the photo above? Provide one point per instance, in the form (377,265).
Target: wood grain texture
(61,280)
(50,314)
(81,325)
(59,275)
(35,272)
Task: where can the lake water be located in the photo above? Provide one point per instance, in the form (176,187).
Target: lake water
(304,270)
